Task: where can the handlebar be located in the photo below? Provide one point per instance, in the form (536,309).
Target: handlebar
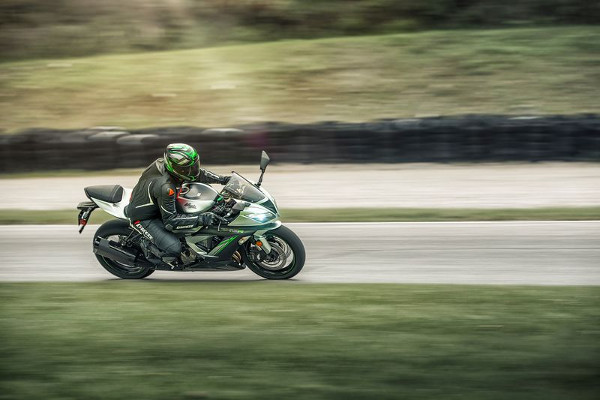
(228,210)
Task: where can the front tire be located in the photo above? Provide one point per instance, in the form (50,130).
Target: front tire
(285,243)
(117,230)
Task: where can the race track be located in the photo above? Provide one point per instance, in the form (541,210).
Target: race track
(528,253)
(422,185)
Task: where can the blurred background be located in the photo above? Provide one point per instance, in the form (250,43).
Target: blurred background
(69,28)
(90,85)
(215,63)
(373,111)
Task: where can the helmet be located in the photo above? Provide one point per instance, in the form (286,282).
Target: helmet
(182,161)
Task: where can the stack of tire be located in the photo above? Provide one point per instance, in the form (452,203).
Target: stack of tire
(471,138)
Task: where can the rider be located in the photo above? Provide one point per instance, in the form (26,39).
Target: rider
(152,208)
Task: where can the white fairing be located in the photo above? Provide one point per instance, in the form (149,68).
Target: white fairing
(262,189)
(115,209)
(254,215)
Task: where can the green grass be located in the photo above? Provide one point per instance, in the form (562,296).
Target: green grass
(68,28)
(268,340)
(514,71)
(35,217)
(442,214)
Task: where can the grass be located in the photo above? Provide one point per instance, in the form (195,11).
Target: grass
(36,217)
(267,340)
(513,71)
(76,27)
(442,214)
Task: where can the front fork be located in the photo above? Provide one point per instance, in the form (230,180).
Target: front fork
(261,241)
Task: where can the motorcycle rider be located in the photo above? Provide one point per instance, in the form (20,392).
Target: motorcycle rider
(152,209)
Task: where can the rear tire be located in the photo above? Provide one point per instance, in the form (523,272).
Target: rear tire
(117,229)
(275,237)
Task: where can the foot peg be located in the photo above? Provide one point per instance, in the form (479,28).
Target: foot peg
(170,261)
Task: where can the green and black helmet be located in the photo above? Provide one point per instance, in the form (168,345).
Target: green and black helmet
(182,161)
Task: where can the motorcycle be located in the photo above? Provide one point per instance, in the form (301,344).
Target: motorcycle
(249,233)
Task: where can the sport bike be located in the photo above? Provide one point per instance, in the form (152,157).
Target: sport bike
(249,232)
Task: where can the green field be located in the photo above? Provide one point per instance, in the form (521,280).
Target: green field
(36,217)
(266,340)
(513,71)
(68,28)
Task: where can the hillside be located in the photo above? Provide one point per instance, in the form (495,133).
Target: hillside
(513,71)
(32,29)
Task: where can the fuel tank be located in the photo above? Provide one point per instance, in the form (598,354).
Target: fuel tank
(196,197)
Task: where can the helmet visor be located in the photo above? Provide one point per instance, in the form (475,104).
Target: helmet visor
(193,170)
(189,171)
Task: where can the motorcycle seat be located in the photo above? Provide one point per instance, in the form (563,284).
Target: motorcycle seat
(109,193)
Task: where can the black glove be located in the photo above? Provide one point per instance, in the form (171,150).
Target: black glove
(225,180)
(208,219)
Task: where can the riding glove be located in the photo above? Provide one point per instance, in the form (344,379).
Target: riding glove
(208,219)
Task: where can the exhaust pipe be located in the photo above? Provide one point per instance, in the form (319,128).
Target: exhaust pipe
(109,249)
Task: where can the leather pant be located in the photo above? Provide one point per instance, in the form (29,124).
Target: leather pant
(166,241)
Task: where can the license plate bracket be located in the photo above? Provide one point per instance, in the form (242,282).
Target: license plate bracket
(85,211)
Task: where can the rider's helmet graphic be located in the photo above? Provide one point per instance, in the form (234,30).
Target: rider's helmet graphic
(182,161)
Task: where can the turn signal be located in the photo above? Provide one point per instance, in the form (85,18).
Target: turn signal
(259,243)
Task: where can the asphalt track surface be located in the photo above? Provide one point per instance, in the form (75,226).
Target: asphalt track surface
(522,253)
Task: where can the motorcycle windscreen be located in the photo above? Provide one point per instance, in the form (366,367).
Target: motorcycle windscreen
(241,189)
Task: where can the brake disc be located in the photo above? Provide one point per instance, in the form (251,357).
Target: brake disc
(278,258)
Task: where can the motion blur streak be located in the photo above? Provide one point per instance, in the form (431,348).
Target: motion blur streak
(78,27)
(481,186)
(532,253)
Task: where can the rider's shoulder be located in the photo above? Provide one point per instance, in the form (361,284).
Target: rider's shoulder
(159,164)
(166,180)
(164,186)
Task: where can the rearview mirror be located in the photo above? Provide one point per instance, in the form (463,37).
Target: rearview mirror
(264,161)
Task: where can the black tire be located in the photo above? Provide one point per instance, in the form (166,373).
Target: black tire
(118,227)
(289,271)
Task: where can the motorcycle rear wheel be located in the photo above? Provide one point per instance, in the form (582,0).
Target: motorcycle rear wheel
(117,230)
(284,244)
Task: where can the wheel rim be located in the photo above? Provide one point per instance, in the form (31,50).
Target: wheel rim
(118,265)
(281,258)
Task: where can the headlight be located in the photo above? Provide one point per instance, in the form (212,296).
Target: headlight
(261,217)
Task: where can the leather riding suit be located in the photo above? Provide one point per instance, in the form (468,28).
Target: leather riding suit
(152,209)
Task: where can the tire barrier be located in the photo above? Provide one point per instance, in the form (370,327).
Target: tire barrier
(471,138)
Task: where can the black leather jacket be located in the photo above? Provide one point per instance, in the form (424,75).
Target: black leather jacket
(155,195)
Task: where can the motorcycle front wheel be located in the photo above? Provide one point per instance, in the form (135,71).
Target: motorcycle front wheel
(285,260)
(118,231)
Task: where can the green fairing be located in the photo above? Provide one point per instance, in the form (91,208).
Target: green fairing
(224,244)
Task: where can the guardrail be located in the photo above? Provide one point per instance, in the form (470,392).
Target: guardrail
(471,138)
